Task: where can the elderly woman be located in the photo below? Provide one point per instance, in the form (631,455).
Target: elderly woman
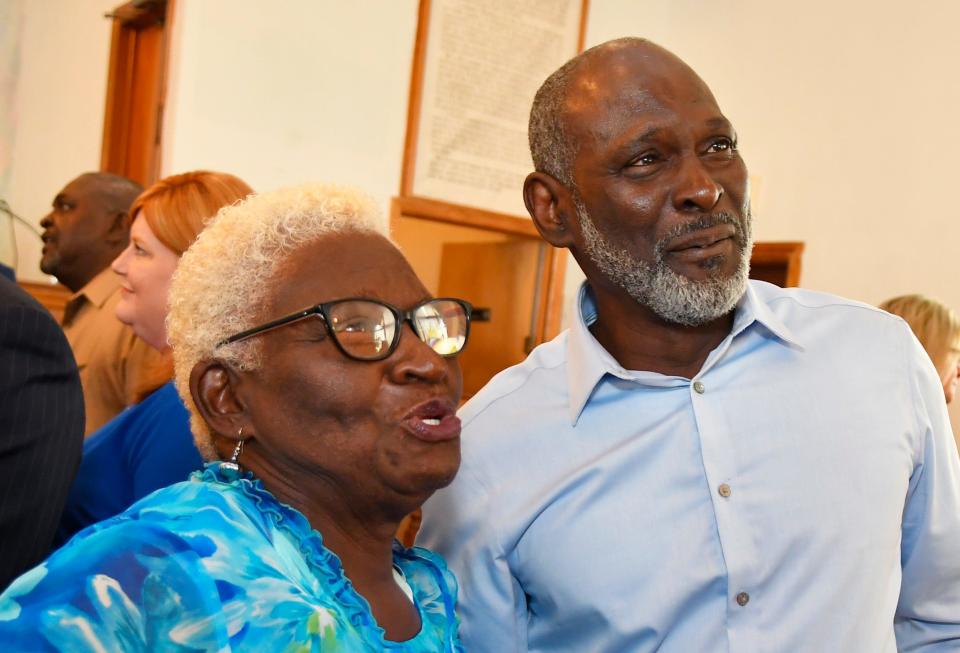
(148,446)
(316,365)
(938,330)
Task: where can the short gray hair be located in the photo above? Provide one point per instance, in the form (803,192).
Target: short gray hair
(551,145)
(223,281)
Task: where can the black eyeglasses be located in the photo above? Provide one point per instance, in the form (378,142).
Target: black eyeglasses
(369,330)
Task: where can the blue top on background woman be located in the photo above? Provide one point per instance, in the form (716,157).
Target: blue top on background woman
(310,356)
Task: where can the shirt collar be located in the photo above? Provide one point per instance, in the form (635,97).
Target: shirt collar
(99,289)
(751,308)
(589,362)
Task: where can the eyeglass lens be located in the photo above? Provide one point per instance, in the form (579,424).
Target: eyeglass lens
(367,330)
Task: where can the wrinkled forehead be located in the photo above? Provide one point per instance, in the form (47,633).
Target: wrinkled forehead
(611,89)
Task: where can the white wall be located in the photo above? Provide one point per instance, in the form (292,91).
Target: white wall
(284,92)
(57,104)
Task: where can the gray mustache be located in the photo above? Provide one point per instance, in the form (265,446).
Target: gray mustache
(700,224)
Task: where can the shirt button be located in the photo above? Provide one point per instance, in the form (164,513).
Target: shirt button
(698,387)
(743,598)
(724,490)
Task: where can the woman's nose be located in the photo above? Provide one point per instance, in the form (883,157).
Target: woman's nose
(414,360)
(119,264)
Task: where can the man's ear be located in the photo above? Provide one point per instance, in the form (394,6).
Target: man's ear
(118,229)
(213,386)
(551,206)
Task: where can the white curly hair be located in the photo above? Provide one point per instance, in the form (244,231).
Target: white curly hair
(222,282)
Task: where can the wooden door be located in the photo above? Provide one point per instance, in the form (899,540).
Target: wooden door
(501,279)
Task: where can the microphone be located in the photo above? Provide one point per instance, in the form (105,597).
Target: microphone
(10,270)
(5,208)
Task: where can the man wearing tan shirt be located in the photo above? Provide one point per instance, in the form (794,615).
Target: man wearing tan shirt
(87,228)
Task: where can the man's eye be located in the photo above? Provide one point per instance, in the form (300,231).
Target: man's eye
(722,145)
(645,160)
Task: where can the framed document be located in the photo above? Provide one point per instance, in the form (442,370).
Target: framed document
(477,66)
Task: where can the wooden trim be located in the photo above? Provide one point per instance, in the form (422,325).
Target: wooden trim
(786,254)
(553,310)
(53,297)
(114,87)
(584,12)
(416,98)
(133,115)
(467,216)
(140,14)
(169,18)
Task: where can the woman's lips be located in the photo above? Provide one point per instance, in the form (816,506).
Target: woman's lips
(434,430)
(433,421)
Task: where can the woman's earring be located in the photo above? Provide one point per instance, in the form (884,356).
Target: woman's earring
(233,465)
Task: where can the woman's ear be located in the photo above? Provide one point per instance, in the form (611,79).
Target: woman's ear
(551,206)
(213,386)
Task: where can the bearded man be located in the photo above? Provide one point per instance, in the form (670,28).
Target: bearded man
(701,463)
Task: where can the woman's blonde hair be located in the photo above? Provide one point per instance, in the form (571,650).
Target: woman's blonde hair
(936,326)
(177,207)
(223,282)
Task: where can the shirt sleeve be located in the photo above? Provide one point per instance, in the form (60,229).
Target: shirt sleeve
(928,613)
(459,525)
(124,588)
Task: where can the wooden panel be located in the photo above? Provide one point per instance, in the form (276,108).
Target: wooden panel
(54,298)
(421,207)
(481,226)
(777,262)
(500,277)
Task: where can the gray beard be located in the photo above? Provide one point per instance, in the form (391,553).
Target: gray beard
(673,297)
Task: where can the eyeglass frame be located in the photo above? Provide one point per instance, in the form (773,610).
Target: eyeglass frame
(321,310)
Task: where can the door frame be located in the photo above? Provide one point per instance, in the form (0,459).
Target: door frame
(136,90)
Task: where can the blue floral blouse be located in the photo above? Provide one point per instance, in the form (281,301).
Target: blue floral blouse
(213,564)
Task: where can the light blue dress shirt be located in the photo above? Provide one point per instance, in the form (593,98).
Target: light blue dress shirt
(800,494)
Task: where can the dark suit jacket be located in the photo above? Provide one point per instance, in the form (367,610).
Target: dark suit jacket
(41,429)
